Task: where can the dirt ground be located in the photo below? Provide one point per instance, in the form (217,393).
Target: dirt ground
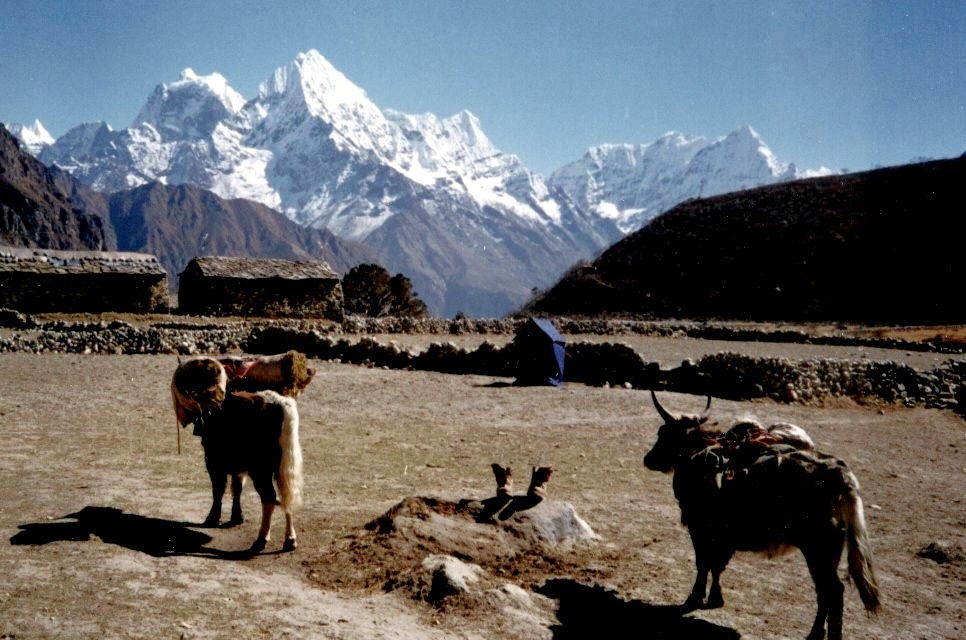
(100,513)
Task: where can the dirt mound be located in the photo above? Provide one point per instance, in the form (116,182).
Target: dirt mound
(475,557)
(521,542)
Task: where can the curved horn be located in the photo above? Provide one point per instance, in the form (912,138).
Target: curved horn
(667,417)
(707,408)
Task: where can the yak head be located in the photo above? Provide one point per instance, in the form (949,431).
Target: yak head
(197,385)
(676,438)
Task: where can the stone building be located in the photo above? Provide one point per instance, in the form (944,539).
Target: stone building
(222,286)
(52,281)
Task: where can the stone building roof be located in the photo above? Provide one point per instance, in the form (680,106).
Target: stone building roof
(51,261)
(256,268)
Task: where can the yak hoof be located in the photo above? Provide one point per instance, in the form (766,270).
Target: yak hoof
(693,603)
(234,521)
(715,601)
(210,521)
(258,546)
(291,544)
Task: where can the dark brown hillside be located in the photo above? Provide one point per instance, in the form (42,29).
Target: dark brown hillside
(36,211)
(178,223)
(884,246)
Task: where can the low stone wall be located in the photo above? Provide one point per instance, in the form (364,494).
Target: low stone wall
(725,375)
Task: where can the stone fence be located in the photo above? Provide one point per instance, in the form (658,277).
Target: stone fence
(724,375)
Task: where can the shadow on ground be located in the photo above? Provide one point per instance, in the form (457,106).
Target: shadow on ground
(593,611)
(153,536)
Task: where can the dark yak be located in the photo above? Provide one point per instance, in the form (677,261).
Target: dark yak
(765,489)
(243,433)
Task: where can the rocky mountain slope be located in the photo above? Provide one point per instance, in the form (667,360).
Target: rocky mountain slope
(177,223)
(882,246)
(35,210)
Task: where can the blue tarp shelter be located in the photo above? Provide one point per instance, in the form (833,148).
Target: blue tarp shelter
(540,353)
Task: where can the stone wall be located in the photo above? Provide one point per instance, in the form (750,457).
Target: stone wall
(262,297)
(724,375)
(84,292)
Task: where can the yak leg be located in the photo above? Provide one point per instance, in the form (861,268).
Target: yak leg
(715,599)
(719,561)
(266,491)
(702,560)
(291,541)
(709,557)
(265,530)
(696,598)
(828,592)
(219,480)
(237,484)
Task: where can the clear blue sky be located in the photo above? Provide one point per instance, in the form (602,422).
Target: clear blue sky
(846,84)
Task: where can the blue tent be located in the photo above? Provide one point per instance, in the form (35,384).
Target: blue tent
(540,353)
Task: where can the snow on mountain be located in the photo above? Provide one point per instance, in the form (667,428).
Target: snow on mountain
(110,160)
(190,107)
(473,228)
(34,137)
(632,184)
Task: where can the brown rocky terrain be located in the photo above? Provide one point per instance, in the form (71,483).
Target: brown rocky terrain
(35,210)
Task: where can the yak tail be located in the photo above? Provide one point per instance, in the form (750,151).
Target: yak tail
(859,549)
(290,469)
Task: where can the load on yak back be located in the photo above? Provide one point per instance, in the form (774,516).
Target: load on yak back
(540,351)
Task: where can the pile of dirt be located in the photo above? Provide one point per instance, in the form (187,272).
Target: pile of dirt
(474,557)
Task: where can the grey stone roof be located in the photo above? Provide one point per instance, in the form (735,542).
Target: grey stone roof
(256,268)
(26,260)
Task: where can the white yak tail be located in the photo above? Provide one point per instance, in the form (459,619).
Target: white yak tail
(290,468)
(859,548)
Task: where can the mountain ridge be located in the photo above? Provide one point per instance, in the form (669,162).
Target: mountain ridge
(312,145)
(880,247)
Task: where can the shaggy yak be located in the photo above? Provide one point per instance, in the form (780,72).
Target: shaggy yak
(765,489)
(251,432)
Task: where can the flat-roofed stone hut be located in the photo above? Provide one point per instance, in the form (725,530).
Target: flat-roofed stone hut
(52,281)
(222,286)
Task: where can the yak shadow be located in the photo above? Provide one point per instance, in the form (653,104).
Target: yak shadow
(596,612)
(154,536)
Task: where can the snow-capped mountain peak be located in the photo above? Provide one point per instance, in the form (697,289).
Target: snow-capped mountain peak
(191,106)
(631,184)
(440,148)
(310,86)
(745,142)
(323,87)
(34,137)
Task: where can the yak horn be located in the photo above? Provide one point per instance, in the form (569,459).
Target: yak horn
(707,408)
(667,417)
